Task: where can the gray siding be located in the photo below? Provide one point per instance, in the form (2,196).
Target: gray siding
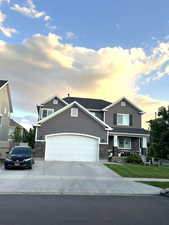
(135,144)
(56,107)
(4,104)
(63,123)
(50,105)
(121,109)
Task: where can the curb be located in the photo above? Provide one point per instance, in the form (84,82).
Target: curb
(78,194)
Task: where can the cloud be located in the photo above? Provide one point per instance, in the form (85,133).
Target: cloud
(7,31)
(30,10)
(42,66)
(161,74)
(70,36)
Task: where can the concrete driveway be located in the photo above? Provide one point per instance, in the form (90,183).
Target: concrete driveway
(78,178)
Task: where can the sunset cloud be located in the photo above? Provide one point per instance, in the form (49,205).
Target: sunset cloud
(43,66)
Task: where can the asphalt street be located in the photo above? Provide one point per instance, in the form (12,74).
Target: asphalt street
(83,210)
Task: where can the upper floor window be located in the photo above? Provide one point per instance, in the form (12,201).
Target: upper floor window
(123,103)
(74,112)
(123,119)
(46,112)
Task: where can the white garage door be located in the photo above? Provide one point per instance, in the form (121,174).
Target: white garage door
(71,147)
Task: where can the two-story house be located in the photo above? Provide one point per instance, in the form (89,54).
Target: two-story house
(84,129)
(12,126)
(5,110)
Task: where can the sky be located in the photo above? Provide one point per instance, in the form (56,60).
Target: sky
(98,49)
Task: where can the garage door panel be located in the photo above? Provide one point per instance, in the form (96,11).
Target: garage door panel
(71,148)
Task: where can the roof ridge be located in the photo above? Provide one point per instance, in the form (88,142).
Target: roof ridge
(87,98)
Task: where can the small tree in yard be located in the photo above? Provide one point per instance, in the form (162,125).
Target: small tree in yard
(159,134)
(17,137)
(25,136)
(31,137)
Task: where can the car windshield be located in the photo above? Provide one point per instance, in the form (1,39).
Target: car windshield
(20,151)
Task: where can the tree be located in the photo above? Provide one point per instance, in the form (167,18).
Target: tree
(31,137)
(17,137)
(159,134)
(25,136)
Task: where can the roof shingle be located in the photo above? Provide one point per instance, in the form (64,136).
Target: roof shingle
(130,130)
(88,103)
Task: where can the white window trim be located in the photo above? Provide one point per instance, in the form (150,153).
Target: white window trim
(121,114)
(124,147)
(74,112)
(41,115)
(123,103)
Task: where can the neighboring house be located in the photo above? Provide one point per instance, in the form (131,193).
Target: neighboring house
(83,129)
(5,110)
(12,126)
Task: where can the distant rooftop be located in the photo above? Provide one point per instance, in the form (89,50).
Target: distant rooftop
(13,123)
(2,82)
(89,103)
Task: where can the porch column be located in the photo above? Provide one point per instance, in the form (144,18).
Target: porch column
(140,152)
(115,145)
(144,145)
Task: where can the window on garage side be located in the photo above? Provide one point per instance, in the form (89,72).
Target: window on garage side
(74,112)
(46,112)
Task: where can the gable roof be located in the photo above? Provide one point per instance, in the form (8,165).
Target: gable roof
(124,98)
(55,96)
(13,123)
(89,103)
(4,83)
(83,109)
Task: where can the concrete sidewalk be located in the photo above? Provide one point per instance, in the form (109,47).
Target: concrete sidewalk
(73,178)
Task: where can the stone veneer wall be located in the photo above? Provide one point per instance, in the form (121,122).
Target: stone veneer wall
(39,150)
(103,154)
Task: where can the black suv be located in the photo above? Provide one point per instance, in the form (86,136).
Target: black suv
(19,157)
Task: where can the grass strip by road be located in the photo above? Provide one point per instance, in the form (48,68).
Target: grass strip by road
(156,184)
(137,171)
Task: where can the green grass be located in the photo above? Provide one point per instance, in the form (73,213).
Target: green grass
(156,183)
(132,170)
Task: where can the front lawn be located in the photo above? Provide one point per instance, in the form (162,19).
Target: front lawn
(132,170)
(156,183)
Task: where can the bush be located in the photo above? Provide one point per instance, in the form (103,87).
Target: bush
(134,158)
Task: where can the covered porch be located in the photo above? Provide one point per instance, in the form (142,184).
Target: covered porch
(123,144)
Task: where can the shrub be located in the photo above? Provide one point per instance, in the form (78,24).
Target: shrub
(134,158)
